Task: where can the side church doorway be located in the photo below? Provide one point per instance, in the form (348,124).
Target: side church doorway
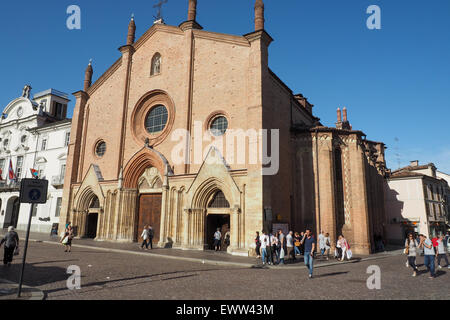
(92,219)
(217,218)
(149,214)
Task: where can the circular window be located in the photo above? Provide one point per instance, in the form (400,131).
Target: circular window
(100,149)
(219,126)
(156,119)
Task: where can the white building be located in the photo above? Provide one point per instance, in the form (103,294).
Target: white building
(34,134)
(416,201)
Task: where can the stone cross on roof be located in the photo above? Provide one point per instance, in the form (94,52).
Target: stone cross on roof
(159,6)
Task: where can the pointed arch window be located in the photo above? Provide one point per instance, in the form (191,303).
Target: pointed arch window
(156,65)
(95,203)
(219,201)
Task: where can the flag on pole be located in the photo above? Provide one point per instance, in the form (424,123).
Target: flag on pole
(12,175)
(34,173)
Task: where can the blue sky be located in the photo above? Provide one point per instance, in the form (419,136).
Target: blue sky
(394,81)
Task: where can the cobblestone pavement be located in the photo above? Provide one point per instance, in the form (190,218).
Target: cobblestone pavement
(107,275)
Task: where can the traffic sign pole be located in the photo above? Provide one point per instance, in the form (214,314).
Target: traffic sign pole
(25,250)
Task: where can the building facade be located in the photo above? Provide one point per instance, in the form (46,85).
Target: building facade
(190,131)
(416,202)
(34,134)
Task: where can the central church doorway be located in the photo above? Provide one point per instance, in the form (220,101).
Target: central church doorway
(149,214)
(214,222)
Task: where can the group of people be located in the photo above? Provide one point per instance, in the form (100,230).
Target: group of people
(434,250)
(218,239)
(277,248)
(147,237)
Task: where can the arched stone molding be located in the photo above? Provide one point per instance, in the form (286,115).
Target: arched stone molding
(141,161)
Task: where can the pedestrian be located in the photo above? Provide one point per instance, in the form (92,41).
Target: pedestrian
(258,245)
(327,245)
(338,251)
(441,253)
(281,246)
(290,246)
(302,245)
(297,243)
(226,239)
(145,236)
(346,253)
(411,247)
(217,239)
(447,237)
(67,239)
(11,241)
(264,242)
(310,247)
(269,257)
(429,253)
(322,243)
(151,235)
(275,245)
(54,232)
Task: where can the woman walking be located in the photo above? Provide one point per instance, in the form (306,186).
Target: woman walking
(411,246)
(258,245)
(11,241)
(297,244)
(67,240)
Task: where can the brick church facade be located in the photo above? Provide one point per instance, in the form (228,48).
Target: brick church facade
(121,169)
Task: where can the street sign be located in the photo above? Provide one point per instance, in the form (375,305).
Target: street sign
(33,191)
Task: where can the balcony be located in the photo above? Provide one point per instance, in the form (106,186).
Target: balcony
(10,186)
(58,181)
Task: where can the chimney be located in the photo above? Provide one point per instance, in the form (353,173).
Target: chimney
(345,123)
(414,163)
(259,15)
(88,76)
(192,11)
(339,119)
(131,31)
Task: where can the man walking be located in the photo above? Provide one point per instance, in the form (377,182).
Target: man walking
(322,243)
(441,253)
(263,241)
(429,253)
(290,246)
(310,247)
(145,237)
(217,239)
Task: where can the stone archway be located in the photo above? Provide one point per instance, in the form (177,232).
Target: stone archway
(85,218)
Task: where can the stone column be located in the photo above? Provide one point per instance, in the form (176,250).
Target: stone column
(164,218)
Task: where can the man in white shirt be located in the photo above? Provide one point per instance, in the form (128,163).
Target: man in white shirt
(217,239)
(290,246)
(263,240)
(322,243)
(441,252)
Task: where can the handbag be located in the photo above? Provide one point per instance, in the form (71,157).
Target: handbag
(406,251)
(65,240)
(349,254)
(16,251)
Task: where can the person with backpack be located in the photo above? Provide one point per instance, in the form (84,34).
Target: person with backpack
(11,241)
(411,247)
